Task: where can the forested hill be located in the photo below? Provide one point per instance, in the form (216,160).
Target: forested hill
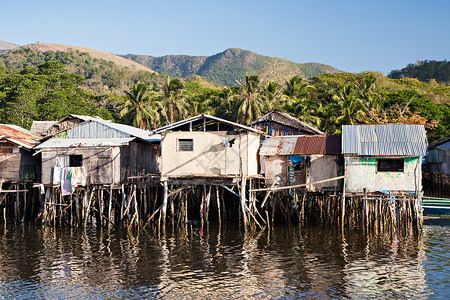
(425,71)
(230,66)
(104,73)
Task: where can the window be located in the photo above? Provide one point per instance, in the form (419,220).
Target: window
(75,160)
(185,145)
(390,165)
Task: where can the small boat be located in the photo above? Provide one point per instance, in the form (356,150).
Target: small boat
(435,206)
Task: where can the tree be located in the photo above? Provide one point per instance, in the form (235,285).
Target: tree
(250,101)
(173,102)
(138,109)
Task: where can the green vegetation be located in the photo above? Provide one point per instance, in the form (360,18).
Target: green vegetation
(100,76)
(426,71)
(228,68)
(50,85)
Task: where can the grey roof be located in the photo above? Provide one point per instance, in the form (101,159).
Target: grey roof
(384,140)
(98,128)
(201,116)
(38,127)
(68,143)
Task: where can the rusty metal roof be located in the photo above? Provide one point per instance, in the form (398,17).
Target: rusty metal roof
(318,144)
(384,140)
(18,135)
(305,144)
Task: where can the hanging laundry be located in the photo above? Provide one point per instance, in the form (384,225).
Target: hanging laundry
(66,182)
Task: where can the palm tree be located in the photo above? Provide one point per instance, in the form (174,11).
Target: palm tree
(250,103)
(173,101)
(138,109)
(348,104)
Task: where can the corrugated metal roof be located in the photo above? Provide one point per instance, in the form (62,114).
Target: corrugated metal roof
(67,143)
(318,144)
(305,144)
(278,145)
(19,136)
(384,139)
(98,128)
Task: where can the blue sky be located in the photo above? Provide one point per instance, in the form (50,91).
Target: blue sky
(353,36)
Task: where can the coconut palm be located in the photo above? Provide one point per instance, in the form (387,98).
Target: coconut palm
(138,108)
(250,101)
(173,102)
(348,104)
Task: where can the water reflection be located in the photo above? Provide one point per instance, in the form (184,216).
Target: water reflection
(314,262)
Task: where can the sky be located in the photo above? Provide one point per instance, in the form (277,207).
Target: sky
(350,35)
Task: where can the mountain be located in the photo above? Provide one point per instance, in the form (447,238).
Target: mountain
(5,46)
(230,66)
(425,71)
(104,72)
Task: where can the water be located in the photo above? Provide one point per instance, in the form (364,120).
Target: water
(315,262)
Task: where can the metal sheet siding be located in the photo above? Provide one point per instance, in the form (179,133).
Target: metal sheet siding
(91,130)
(384,139)
(278,146)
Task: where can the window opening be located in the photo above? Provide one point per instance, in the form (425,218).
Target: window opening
(390,165)
(185,145)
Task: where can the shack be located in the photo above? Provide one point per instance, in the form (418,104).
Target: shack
(99,152)
(278,123)
(17,162)
(296,160)
(438,158)
(207,146)
(384,157)
(50,128)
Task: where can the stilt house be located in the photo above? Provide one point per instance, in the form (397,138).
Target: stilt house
(278,123)
(98,152)
(17,162)
(384,157)
(438,158)
(207,146)
(296,160)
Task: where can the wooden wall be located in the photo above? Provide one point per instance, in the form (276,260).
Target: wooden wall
(106,165)
(18,164)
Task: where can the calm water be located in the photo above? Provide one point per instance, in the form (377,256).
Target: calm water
(312,263)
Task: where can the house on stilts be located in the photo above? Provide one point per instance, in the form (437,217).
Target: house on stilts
(311,162)
(384,157)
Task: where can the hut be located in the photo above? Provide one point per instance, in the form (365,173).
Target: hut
(312,160)
(383,157)
(438,158)
(98,152)
(17,162)
(49,128)
(207,146)
(278,123)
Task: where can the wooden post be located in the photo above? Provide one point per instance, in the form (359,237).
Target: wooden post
(218,205)
(243,190)
(164,205)
(110,205)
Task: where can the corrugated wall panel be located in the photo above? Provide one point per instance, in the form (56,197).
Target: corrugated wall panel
(91,130)
(384,139)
